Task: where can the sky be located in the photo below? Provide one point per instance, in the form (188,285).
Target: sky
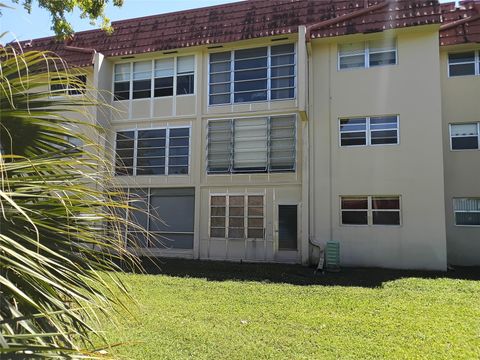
(23,26)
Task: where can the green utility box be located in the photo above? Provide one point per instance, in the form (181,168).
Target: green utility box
(332,256)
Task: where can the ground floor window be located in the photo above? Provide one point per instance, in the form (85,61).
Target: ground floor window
(237,216)
(167,214)
(370,210)
(467,212)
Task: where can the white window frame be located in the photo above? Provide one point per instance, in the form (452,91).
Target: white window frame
(368,131)
(167,151)
(451,137)
(152,78)
(370,210)
(231,172)
(476,63)
(462,211)
(269,75)
(227,215)
(367,56)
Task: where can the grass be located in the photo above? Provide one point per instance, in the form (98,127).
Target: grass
(294,315)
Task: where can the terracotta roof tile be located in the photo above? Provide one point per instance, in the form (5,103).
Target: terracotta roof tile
(256,18)
(460,24)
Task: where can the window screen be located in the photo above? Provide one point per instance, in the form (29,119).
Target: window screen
(465,136)
(172,218)
(467,212)
(251,145)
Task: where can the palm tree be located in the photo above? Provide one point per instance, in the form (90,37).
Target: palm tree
(56,196)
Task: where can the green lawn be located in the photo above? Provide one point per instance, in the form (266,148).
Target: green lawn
(201,318)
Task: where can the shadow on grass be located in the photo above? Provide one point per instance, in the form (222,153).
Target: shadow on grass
(293,274)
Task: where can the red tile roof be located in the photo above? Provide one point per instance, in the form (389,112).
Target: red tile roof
(460,24)
(239,21)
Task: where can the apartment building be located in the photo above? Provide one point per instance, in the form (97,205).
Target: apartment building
(260,130)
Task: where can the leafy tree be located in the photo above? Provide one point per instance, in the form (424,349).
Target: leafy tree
(56,195)
(91,9)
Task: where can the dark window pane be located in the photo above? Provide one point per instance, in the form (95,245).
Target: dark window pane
(251,74)
(386,58)
(121,90)
(185,84)
(173,241)
(251,96)
(355,61)
(462,69)
(384,137)
(217,232)
(164,87)
(283,94)
(256,233)
(287,227)
(218,200)
(151,170)
(236,233)
(151,162)
(251,63)
(282,49)
(251,85)
(223,56)
(465,143)
(386,203)
(461,57)
(250,53)
(283,71)
(353,124)
(355,203)
(219,99)
(353,139)
(178,170)
(386,218)
(282,60)
(467,218)
(354,217)
(218,211)
(151,134)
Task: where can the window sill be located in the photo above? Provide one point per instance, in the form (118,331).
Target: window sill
(251,102)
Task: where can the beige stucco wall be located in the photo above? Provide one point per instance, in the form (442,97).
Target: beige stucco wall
(413,169)
(460,104)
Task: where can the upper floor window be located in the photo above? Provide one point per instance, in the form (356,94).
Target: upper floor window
(251,145)
(153,152)
(465,136)
(464,63)
(367,54)
(373,130)
(467,212)
(259,74)
(73,86)
(370,210)
(157,78)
